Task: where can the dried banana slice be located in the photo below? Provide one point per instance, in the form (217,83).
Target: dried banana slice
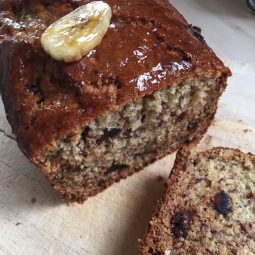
(77,33)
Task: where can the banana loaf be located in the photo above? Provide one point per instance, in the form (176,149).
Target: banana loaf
(151,86)
(208,206)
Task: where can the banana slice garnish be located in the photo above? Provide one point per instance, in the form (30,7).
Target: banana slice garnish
(77,33)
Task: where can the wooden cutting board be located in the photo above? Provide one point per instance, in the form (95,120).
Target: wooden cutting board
(34,220)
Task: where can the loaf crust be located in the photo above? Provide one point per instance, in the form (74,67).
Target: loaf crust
(207,206)
(148,47)
(68,103)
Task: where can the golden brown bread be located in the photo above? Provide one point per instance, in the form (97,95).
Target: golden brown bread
(148,47)
(207,207)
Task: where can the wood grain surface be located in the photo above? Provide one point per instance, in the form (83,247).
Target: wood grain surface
(33,218)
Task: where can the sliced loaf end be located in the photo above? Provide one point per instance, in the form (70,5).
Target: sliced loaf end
(208,206)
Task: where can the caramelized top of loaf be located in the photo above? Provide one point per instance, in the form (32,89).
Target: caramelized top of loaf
(148,46)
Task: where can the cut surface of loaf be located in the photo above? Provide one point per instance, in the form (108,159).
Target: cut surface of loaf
(149,88)
(208,206)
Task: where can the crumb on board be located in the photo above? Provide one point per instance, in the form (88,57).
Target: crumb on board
(160,178)
(247,130)
(213,122)
(33,200)
(18,223)
(208,139)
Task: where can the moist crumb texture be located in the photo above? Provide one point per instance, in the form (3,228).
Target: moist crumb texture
(130,137)
(208,206)
(150,87)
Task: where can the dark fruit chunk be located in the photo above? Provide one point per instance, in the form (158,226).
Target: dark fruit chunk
(153,253)
(85,133)
(101,182)
(250,195)
(193,126)
(219,81)
(40,100)
(222,203)
(76,169)
(181,117)
(111,133)
(196,31)
(127,133)
(180,224)
(118,84)
(32,88)
(116,167)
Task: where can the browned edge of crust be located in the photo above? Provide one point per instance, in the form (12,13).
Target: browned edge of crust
(178,168)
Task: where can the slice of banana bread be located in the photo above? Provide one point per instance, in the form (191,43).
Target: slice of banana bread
(208,206)
(151,86)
